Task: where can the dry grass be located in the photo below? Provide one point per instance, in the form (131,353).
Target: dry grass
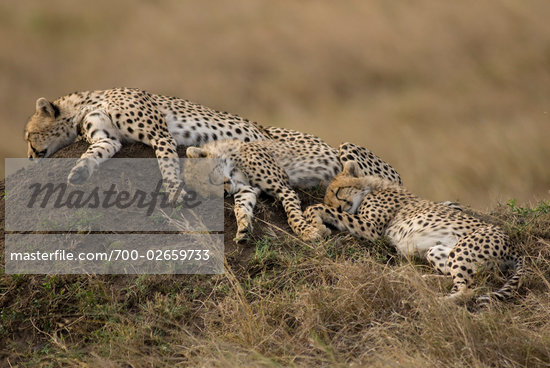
(340,302)
(454,92)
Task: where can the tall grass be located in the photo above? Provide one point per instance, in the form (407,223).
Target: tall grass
(339,302)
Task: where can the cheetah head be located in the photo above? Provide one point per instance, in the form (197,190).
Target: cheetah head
(221,168)
(346,191)
(47,131)
(195,170)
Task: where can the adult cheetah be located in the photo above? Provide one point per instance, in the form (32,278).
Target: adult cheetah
(108,118)
(454,242)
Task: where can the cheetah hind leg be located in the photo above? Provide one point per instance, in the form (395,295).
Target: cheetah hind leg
(464,259)
(259,164)
(438,256)
(369,163)
(472,250)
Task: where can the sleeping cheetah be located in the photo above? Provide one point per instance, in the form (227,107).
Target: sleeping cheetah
(108,118)
(274,167)
(453,242)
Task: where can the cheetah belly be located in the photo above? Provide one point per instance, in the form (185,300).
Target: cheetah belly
(304,178)
(417,241)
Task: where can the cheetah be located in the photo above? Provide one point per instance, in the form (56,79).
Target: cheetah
(109,118)
(295,159)
(454,242)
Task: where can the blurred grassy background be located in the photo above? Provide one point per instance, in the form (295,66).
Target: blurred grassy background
(456,95)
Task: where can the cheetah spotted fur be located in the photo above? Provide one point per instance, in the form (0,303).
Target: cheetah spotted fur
(295,159)
(454,242)
(109,118)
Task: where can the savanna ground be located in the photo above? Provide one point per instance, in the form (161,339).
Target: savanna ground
(455,95)
(283,302)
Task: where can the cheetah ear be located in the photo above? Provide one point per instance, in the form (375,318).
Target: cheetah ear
(44,107)
(195,152)
(351,169)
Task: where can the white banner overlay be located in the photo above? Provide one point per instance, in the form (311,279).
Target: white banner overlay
(114,253)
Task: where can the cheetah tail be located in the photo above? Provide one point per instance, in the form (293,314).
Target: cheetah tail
(507,289)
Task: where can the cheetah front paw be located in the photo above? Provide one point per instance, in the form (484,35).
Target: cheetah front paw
(311,214)
(244,229)
(79,175)
(176,193)
(319,230)
(312,233)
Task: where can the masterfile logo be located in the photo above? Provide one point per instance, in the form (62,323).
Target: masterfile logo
(64,196)
(120,221)
(123,195)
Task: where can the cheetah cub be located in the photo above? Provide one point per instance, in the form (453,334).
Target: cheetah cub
(273,167)
(454,242)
